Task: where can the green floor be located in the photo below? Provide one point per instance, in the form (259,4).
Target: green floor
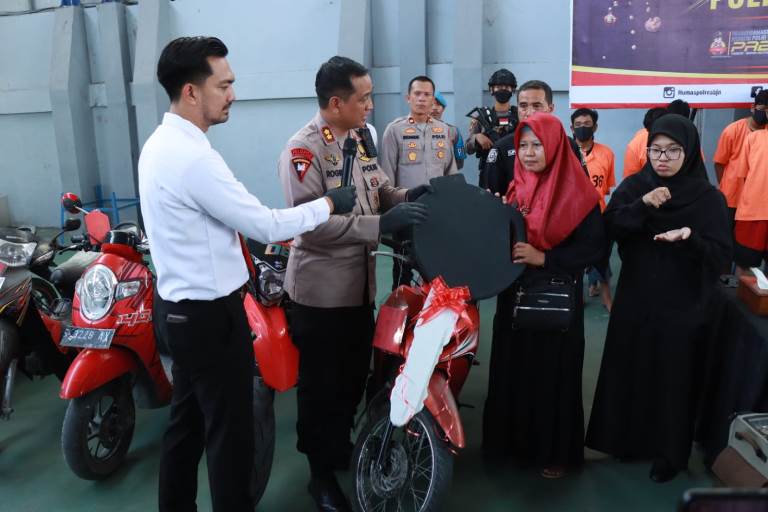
(34,477)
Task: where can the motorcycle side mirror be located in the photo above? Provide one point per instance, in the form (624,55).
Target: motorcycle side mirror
(71,203)
(71,225)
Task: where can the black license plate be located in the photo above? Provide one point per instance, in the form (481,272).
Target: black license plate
(82,337)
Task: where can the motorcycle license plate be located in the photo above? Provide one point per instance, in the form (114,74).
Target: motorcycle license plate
(82,337)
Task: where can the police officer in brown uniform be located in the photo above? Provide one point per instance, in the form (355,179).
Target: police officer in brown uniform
(331,276)
(416,148)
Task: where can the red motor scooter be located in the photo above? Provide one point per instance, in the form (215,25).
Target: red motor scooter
(399,468)
(118,363)
(403,457)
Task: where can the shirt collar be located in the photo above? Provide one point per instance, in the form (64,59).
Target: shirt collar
(326,133)
(411,120)
(176,121)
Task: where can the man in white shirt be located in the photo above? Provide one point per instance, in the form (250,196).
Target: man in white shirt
(193,209)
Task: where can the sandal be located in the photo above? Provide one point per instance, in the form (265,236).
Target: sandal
(553,473)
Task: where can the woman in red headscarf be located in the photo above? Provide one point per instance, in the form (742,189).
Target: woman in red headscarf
(533,412)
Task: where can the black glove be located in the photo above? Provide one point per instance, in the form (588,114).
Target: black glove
(343,199)
(416,192)
(402,216)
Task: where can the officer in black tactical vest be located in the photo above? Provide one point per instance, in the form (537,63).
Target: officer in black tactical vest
(490,124)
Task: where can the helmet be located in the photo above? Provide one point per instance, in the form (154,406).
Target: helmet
(503,76)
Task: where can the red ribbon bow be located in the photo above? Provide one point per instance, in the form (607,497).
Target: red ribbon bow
(444,297)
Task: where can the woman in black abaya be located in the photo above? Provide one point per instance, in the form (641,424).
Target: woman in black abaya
(672,231)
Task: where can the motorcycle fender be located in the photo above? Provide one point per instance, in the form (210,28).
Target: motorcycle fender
(93,368)
(276,355)
(441,404)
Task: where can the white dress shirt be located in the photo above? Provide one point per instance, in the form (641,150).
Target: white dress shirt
(193,208)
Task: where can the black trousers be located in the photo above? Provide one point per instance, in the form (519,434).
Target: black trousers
(335,351)
(212,404)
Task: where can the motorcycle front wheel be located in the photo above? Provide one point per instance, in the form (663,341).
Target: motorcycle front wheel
(98,428)
(417,469)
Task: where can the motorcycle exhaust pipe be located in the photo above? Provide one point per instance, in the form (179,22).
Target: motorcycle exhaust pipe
(10,378)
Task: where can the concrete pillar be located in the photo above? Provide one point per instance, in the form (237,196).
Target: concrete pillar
(72,119)
(468,79)
(413,42)
(355,31)
(120,125)
(149,97)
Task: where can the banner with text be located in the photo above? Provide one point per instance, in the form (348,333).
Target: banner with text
(645,53)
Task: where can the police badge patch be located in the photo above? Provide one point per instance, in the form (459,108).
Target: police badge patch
(492,154)
(301,158)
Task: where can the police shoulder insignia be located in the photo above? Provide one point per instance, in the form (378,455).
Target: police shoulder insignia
(333,159)
(327,134)
(492,154)
(301,158)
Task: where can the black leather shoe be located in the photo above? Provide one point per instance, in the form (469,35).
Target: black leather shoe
(328,495)
(662,471)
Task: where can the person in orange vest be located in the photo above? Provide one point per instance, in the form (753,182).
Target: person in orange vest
(751,227)
(600,166)
(728,156)
(637,150)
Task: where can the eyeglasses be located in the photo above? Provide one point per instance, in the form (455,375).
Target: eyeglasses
(670,153)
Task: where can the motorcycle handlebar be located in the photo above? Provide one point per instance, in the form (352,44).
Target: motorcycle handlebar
(393,244)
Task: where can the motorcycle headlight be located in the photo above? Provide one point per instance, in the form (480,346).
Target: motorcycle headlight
(97,292)
(270,283)
(16,255)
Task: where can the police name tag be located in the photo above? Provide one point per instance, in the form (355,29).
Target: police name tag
(82,337)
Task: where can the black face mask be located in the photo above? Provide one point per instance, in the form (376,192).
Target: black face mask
(584,133)
(760,117)
(502,95)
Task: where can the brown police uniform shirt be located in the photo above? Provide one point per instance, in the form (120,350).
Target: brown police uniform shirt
(330,266)
(412,153)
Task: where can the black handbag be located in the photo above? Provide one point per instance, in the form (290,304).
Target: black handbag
(544,303)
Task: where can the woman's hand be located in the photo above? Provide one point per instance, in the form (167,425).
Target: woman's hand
(657,197)
(502,197)
(674,235)
(528,254)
